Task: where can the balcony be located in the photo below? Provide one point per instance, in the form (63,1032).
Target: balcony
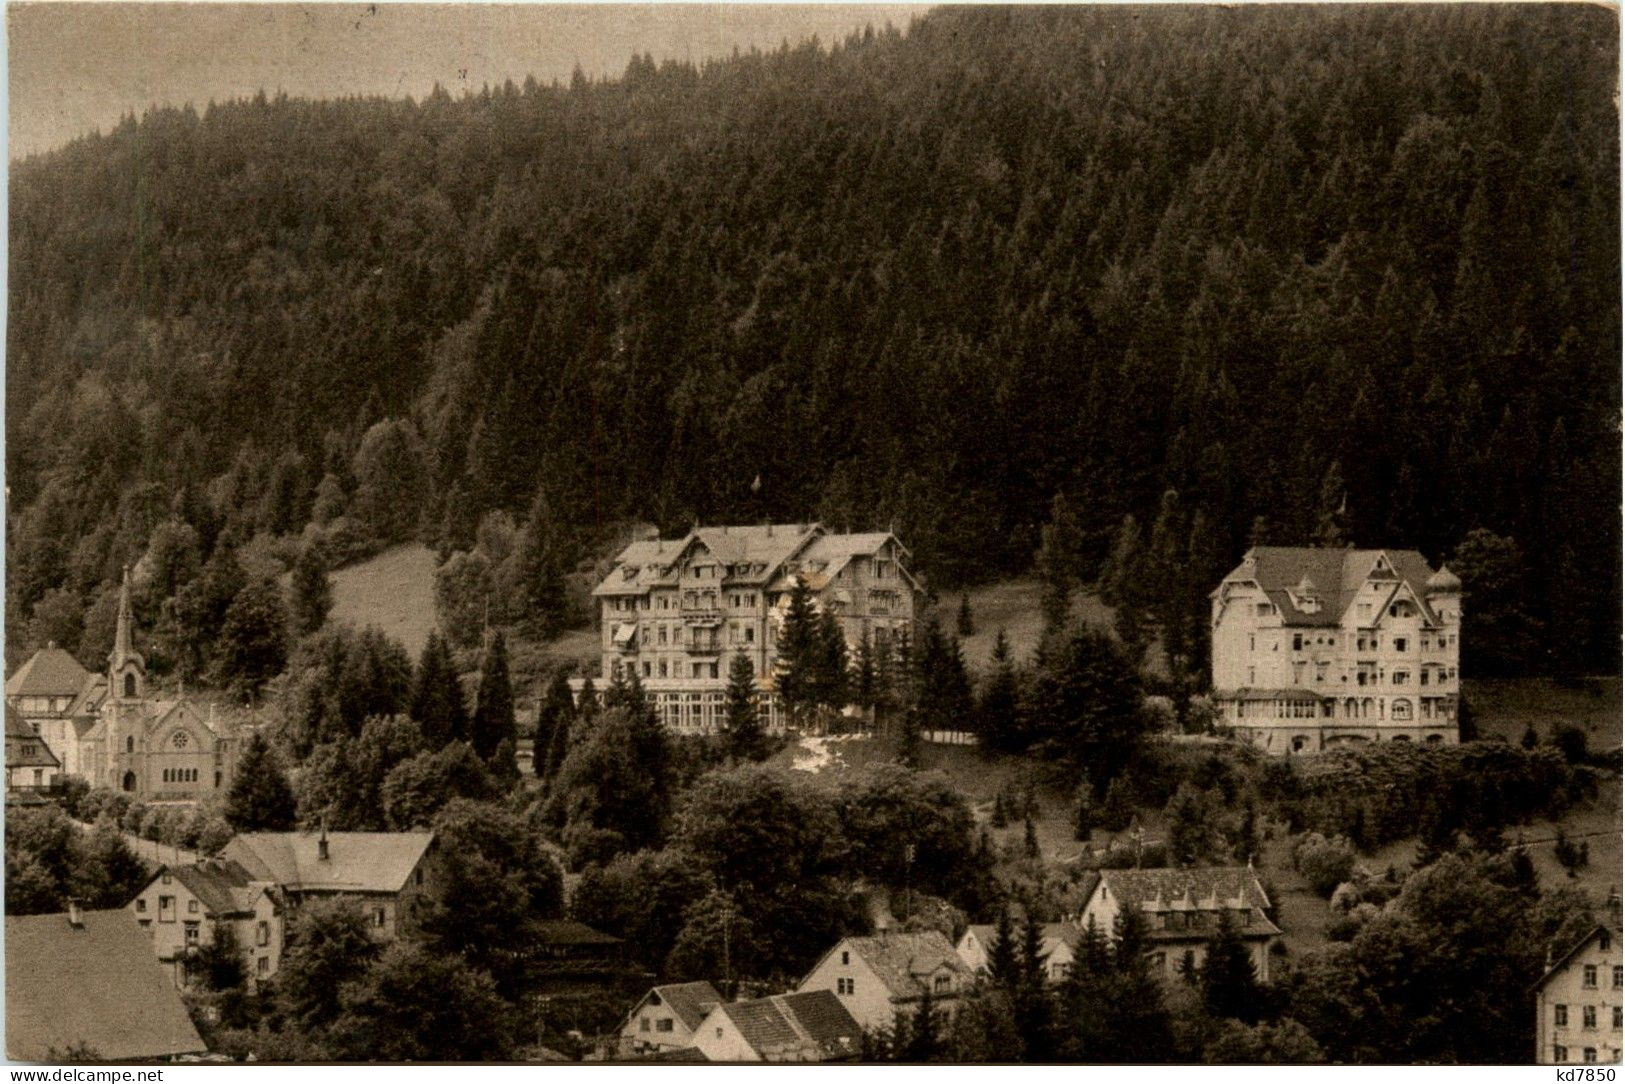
(705,647)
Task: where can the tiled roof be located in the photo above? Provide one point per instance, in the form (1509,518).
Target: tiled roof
(50,671)
(221,885)
(356,862)
(24,748)
(753,553)
(97,986)
(689,1000)
(1612,931)
(1156,891)
(789,1023)
(1334,575)
(903,960)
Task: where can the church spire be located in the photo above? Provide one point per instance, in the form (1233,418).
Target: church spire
(124,655)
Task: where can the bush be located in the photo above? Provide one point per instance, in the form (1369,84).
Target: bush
(1324,863)
(1571,742)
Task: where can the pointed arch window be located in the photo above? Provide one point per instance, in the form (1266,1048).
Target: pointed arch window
(129,685)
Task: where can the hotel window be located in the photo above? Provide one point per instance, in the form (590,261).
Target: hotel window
(1297,641)
(1588,1016)
(140,906)
(1591,1055)
(191,907)
(262,934)
(191,933)
(643,1024)
(263,965)
(1619,976)
(663,1025)
(378,916)
(1560,1053)
(1617,1018)
(1560,1016)
(846,986)
(1589,980)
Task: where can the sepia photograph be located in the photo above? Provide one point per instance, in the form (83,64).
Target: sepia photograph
(662,534)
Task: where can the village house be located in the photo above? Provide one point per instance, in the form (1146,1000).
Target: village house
(880,976)
(1317,647)
(1059,940)
(1181,909)
(389,876)
(804,1027)
(109,731)
(32,770)
(666,1018)
(1578,1003)
(85,985)
(675,613)
(181,906)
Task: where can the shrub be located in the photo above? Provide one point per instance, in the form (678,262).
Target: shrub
(1324,863)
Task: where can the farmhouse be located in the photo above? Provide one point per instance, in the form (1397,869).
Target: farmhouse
(1316,647)
(181,907)
(805,1027)
(888,973)
(675,613)
(1059,939)
(1181,909)
(388,876)
(1578,1003)
(667,1018)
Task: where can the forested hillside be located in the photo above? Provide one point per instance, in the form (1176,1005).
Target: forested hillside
(1351,270)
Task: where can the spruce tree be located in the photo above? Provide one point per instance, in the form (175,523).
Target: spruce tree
(259,798)
(437,696)
(312,592)
(555,711)
(966,624)
(1229,981)
(832,679)
(865,679)
(1003,955)
(493,719)
(799,651)
(742,721)
(999,712)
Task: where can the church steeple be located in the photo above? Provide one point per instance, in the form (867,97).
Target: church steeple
(126,669)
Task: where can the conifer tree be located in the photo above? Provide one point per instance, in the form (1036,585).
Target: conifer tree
(742,721)
(259,798)
(493,719)
(1000,718)
(437,696)
(865,679)
(554,712)
(1003,955)
(1229,981)
(312,592)
(800,648)
(966,625)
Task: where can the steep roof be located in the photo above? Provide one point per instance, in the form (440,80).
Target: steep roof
(1568,957)
(1335,575)
(220,884)
(690,1001)
(356,861)
(1053,933)
(903,960)
(50,671)
(18,731)
(751,555)
(815,1020)
(97,985)
(1192,890)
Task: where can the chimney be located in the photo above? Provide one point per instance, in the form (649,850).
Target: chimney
(321,844)
(76,917)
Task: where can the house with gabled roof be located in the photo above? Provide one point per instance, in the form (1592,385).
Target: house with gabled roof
(181,906)
(1315,647)
(1578,1002)
(42,694)
(812,1026)
(31,768)
(389,876)
(1182,910)
(667,1017)
(888,973)
(1059,941)
(674,613)
(85,984)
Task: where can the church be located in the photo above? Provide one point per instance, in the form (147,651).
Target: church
(108,730)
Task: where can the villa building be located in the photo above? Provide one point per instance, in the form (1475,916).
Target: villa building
(1315,647)
(675,613)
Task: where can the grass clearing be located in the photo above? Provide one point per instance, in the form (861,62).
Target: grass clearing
(1011,605)
(393,591)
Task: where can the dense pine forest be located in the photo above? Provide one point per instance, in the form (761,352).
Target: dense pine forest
(1348,271)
